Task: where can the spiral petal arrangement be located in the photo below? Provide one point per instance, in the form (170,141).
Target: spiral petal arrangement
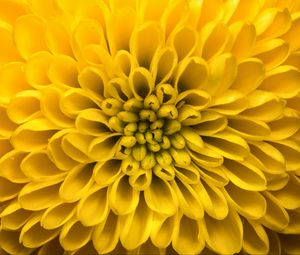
(149,126)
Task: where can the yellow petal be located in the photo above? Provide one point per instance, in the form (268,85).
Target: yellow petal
(271,158)
(250,204)
(10,166)
(291,152)
(153,9)
(38,167)
(264,105)
(93,81)
(36,196)
(160,197)
(20,114)
(198,99)
(145,42)
(188,238)
(163,64)
(78,181)
(187,115)
(33,134)
(63,70)
(255,239)
(106,235)
(74,235)
(244,38)
(249,128)
(223,71)
(290,35)
(8,190)
(250,74)
(214,175)
(52,246)
(274,242)
(163,229)
(12,80)
(104,147)
(61,159)
(50,107)
(33,235)
(245,175)
(76,146)
(76,100)
(9,241)
(213,39)
(211,122)
(212,199)
(272,52)
(228,145)
(276,217)
(184,40)
(29,35)
(287,196)
(206,157)
(57,215)
(189,174)
(294,222)
(124,63)
(93,208)
(14,219)
(192,73)
(272,22)
(136,226)
(141,83)
(224,236)
(11,10)
(141,179)
(123,199)
(189,201)
(36,69)
(231,102)
(106,173)
(282,81)
(286,126)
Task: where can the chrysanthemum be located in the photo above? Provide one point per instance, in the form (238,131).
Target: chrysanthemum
(149,126)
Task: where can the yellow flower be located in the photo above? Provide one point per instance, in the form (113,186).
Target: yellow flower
(149,126)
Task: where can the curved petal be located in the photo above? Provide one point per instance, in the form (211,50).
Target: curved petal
(289,36)
(198,99)
(78,181)
(136,226)
(189,201)
(224,236)
(123,199)
(283,81)
(223,72)
(29,35)
(245,175)
(50,107)
(192,73)
(8,190)
(51,247)
(163,64)
(74,235)
(57,215)
(7,125)
(33,134)
(272,52)
(145,42)
(294,222)
(160,197)
(276,217)
(93,208)
(163,230)
(188,238)
(106,234)
(250,74)
(36,69)
(264,106)
(250,204)
(206,157)
(189,174)
(228,145)
(63,70)
(10,166)
(106,173)
(9,241)
(34,235)
(141,83)
(212,199)
(38,167)
(36,196)
(255,239)
(214,175)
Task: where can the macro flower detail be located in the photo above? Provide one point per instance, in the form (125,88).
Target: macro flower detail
(149,127)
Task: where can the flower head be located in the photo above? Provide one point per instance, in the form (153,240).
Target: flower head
(149,126)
